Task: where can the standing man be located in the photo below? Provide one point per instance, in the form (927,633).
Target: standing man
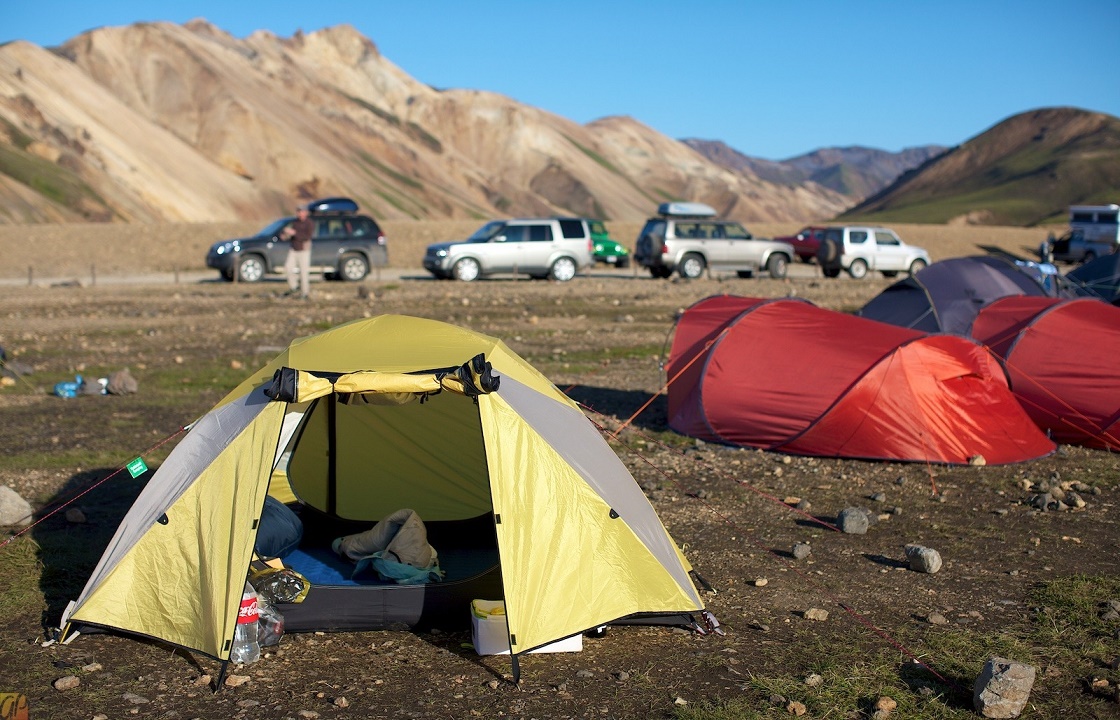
(299,255)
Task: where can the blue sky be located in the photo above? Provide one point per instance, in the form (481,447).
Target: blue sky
(771,78)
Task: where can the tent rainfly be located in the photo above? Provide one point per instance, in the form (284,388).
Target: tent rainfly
(1061,357)
(788,376)
(946,296)
(523,499)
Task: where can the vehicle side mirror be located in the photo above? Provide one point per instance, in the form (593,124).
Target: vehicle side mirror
(499,238)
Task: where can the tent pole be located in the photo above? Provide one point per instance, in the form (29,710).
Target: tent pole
(516,669)
(221,677)
(332,454)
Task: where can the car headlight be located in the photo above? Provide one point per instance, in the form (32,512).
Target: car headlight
(441,253)
(226,247)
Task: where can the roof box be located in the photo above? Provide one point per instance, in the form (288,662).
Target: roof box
(685,209)
(332,205)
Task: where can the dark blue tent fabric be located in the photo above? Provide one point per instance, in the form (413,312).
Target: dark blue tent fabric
(1099,278)
(947,295)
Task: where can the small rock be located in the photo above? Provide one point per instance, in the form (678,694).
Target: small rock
(67,683)
(679,701)
(1000,511)
(622,675)
(804,506)
(879,497)
(237,680)
(75,516)
(814,680)
(776,699)
(815,614)
(14,510)
(92,667)
(135,699)
(923,559)
(236,364)
(341,702)
(1003,688)
(853,521)
(977,460)
(585,674)
(761,582)
(311,714)
(935,618)
(202,680)
(493,684)
(796,708)
(885,704)
(248,703)
(802,550)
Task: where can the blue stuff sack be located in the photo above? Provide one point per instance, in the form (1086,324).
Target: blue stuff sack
(68,389)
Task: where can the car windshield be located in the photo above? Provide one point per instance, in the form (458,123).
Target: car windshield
(597,228)
(487,231)
(273,227)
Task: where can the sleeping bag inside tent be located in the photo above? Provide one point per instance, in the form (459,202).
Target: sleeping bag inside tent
(788,376)
(519,497)
(1061,356)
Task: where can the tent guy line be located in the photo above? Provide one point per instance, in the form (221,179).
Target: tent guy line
(62,504)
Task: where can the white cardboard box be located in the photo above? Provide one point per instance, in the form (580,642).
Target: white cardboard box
(490,634)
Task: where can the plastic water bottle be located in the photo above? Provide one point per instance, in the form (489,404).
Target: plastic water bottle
(246,649)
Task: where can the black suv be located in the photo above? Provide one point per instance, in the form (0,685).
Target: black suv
(345,246)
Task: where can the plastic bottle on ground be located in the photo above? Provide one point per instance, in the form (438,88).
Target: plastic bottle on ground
(246,649)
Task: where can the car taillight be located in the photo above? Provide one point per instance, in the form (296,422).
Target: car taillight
(590,245)
(664,249)
(380,239)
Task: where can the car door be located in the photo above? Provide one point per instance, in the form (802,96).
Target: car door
(326,243)
(537,248)
(890,254)
(503,252)
(741,252)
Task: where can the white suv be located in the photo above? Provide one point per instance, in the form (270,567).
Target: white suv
(556,248)
(859,250)
(686,238)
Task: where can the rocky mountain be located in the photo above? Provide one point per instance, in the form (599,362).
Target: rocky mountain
(854,171)
(162,122)
(1025,170)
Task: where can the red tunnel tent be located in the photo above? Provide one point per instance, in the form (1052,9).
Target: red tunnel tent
(1061,356)
(788,376)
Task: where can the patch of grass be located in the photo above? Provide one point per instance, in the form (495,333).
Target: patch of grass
(594,156)
(44,177)
(19,138)
(383,114)
(386,170)
(421,135)
(19,583)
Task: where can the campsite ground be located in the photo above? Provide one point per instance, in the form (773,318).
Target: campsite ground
(1017,583)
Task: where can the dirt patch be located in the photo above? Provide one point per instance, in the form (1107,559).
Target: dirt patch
(598,338)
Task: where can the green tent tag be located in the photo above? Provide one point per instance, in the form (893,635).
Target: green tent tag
(136,468)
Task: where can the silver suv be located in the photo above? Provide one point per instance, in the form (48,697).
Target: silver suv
(686,238)
(860,249)
(556,248)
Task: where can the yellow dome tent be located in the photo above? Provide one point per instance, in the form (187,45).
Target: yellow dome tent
(522,496)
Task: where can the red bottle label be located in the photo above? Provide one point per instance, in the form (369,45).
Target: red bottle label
(248,612)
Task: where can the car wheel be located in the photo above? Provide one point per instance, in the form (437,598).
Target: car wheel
(858,269)
(466,270)
(692,266)
(890,273)
(916,266)
(745,274)
(563,270)
(831,272)
(623,262)
(250,268)
(777,266)
(353,268)
(660,272)
(227,275)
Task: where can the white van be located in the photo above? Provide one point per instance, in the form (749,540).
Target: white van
(1097,223)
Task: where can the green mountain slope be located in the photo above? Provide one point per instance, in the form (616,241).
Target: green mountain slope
(1025,171)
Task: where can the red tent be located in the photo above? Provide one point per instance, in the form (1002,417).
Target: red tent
(1061,356)
(786,375)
